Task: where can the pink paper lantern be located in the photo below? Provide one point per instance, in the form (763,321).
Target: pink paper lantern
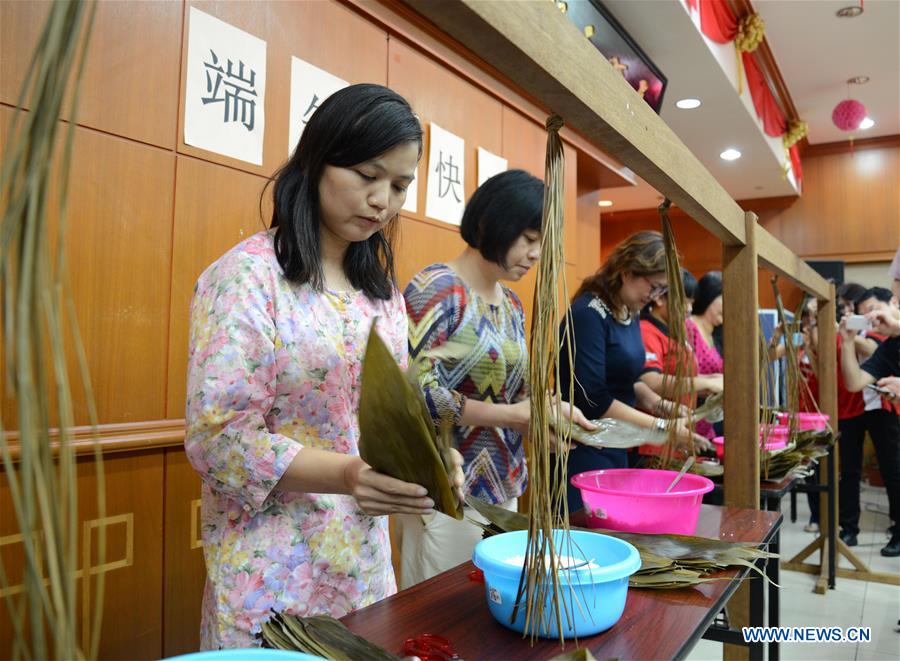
(848,115)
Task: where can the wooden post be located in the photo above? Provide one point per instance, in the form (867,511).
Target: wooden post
(827,374)
(741,299)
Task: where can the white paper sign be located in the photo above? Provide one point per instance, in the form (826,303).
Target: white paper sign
(445,196)
(224,102)
(412,195)
(310,85)
(489,164)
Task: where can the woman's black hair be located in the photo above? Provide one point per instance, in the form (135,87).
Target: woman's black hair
(500,210)
(353,125)
(709,288)
(689,282)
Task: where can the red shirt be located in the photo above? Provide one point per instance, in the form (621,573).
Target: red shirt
(850,404)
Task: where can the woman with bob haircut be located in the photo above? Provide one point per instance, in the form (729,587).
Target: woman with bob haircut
(604,323)
(291,515)
(468,332)
(701,327)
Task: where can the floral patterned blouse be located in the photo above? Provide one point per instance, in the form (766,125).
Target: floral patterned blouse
(273,368)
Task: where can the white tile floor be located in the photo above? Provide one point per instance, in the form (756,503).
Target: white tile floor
(852,603)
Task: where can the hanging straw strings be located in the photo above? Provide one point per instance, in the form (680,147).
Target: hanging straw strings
(539,584)
(36,300)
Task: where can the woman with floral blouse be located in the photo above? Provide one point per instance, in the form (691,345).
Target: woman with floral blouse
(291,514)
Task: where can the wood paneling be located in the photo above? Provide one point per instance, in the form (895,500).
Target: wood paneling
(438,95)
(185,570)
(130,82)
(525,147)
(700,250)
(215,208)
(132,622)
(117,242)
(849,209)
(325,34)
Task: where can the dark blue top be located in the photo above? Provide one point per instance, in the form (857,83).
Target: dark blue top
(609,356)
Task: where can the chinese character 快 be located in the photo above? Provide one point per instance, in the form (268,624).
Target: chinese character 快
(238,93)
(448,176)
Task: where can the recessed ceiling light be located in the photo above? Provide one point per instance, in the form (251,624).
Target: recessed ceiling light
(867,123)
(850,12)
(688,104)
(604,203)
(730,154)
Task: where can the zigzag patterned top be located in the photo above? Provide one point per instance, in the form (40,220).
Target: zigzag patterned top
(483,356)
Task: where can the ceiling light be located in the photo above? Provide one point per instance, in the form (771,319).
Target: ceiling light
(688,104)
(604,203)
(850,12)
(730,154)
(858,80)
(867,123)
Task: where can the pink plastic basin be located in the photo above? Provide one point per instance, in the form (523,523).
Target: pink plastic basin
(814,421)
(634,500)
(778,438)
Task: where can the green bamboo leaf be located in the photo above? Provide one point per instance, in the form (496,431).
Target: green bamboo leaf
(397,436)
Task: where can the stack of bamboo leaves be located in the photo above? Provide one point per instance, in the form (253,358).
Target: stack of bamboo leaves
(319,635)
(667,561)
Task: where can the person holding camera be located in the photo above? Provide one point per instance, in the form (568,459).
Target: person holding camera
(877,373)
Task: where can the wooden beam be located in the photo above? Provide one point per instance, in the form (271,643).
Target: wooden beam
(544,53)
(777,257)
(740,294)
(825,148)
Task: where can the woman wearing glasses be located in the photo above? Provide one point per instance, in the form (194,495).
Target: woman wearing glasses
(609,355)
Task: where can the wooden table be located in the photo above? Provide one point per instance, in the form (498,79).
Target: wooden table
(655,624)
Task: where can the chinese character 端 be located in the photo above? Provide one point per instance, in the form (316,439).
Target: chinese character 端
(237,108)
(448,176)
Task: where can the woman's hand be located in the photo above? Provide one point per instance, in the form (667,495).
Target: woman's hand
(847,335)
(685,437)
(566,411)
(378,494)
(456,474)
(891,383)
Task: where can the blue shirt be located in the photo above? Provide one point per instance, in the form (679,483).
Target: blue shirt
(609,356)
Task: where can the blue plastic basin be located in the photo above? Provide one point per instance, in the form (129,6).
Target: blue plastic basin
(252,654)
(595,596)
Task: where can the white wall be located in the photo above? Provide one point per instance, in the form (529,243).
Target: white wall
(868,274)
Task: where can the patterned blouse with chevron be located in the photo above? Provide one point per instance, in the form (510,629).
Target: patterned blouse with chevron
(483,356)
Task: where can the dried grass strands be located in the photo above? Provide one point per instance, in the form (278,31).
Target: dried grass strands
(765,367)
(540,585)
(792,368)
(43,488)
(681,388)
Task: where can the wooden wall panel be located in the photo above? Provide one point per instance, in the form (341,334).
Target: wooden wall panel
(118,241)
(700,250)
(525,147)
(215,208)
(440,96)
(132,623)
(130,83)
(850,208)
(185,570)
(323,33)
